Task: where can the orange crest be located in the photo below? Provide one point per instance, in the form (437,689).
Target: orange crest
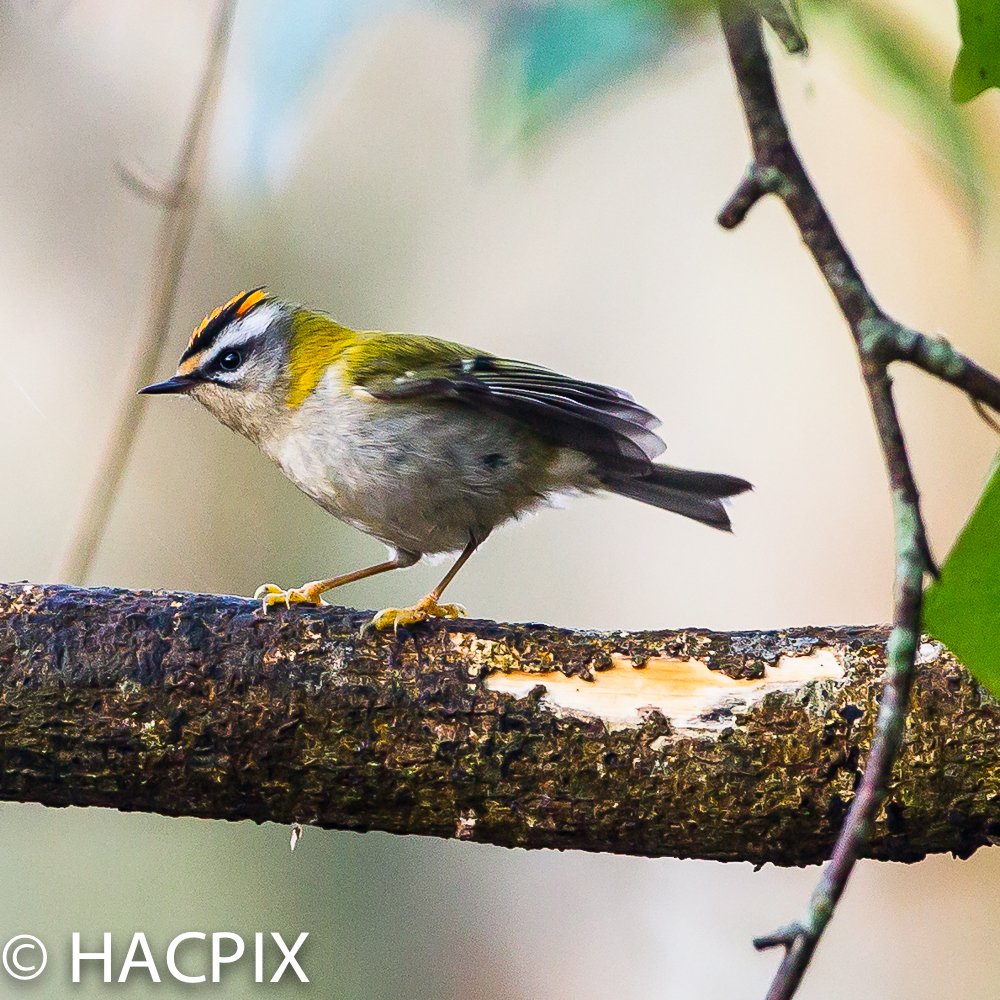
(236,308)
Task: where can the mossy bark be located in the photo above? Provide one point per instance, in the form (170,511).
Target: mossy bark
(200,706)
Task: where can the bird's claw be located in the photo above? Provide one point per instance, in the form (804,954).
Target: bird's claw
(270,594)
(424,610)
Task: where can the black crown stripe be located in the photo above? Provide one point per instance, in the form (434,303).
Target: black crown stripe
(218,319)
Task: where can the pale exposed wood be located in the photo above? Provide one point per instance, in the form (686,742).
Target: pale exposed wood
(692,696)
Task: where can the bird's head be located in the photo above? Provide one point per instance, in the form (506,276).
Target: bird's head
(236,361)
(255,360)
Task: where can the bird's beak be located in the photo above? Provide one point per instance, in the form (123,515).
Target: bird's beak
(179,383)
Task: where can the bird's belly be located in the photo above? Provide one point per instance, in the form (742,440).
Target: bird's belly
(427,478)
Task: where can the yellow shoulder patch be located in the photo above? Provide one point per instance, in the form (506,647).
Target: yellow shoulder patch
(316,343)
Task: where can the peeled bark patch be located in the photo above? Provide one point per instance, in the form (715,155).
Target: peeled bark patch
(690,695)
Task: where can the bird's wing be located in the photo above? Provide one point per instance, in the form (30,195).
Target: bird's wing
(604,423)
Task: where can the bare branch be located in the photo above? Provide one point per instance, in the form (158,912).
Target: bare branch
(179,199)
(880,341)
(731,746)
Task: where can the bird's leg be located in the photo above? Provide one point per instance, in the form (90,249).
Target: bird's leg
(310,593)
(429,606)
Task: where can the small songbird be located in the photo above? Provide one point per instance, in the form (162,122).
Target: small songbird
(424,444)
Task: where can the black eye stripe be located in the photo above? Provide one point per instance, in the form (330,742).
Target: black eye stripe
(214,365)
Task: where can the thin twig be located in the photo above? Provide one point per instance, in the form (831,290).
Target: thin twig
(880,340)
(986,417)
(140,181)
(179,200)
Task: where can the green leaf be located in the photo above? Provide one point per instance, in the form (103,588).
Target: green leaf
(903,61)
(783,17)
(978,65)
(962,607)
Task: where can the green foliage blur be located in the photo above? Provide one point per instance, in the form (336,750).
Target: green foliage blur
(908,70)
(548,61)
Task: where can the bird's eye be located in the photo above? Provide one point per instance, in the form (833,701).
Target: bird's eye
(230,361)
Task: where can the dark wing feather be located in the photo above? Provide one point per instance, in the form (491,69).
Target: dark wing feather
(599,421)
(622,405)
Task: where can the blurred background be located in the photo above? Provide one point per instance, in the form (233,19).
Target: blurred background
(448,169)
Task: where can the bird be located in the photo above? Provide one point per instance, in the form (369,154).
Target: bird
(424,444)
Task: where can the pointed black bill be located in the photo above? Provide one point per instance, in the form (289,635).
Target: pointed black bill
(179,383)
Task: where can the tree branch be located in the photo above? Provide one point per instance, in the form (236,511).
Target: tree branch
(732,746)
(880,340)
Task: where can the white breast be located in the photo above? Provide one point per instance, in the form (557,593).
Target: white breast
(418,477)
(316,442)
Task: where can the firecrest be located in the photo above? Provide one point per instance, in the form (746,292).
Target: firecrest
(424,444)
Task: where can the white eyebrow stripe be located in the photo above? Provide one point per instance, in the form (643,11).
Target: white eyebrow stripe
(241,331)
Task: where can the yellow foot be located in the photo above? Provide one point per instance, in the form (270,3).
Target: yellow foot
(424,609)
(270,594)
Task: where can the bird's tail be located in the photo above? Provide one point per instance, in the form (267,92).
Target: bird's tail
(697,495)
